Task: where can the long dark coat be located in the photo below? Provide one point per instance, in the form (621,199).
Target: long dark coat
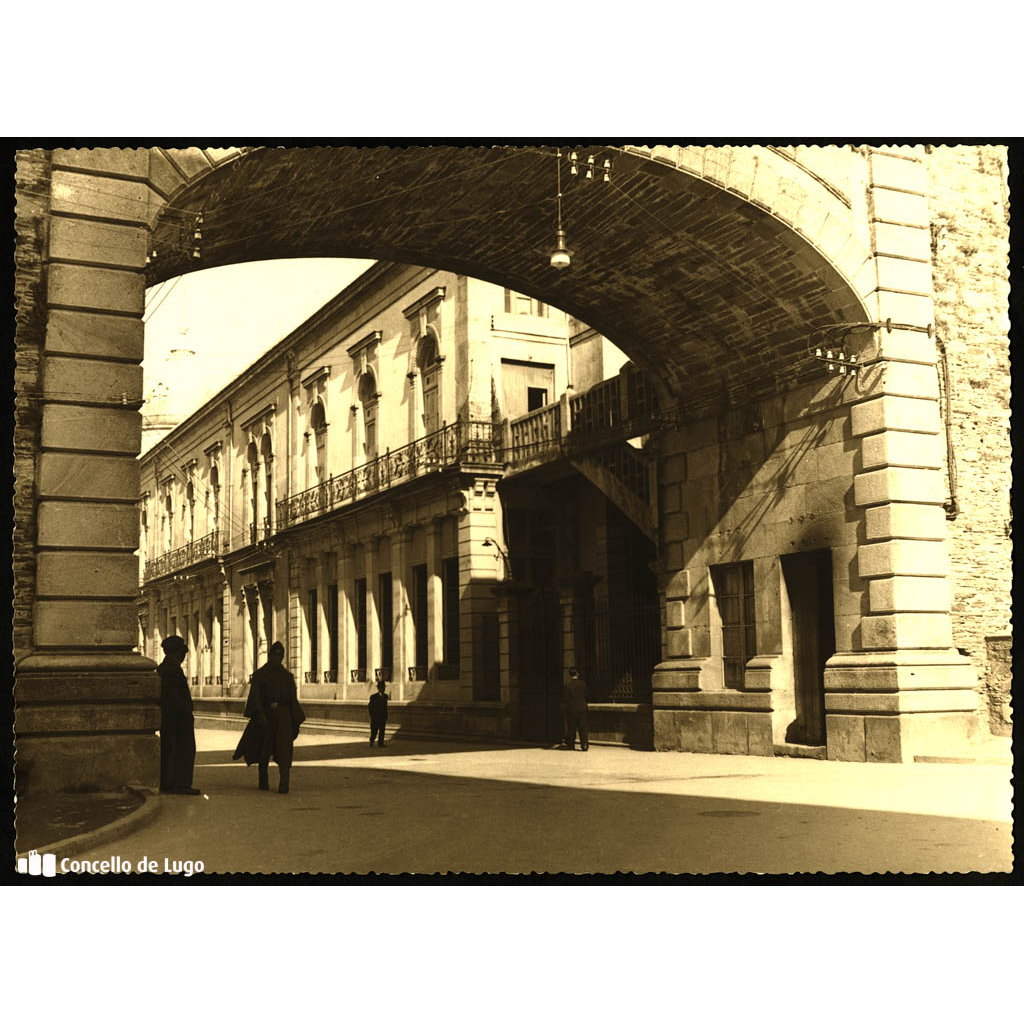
(177,728)
(271,732)
(378,707)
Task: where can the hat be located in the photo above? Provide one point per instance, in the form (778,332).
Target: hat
(173,643)
(277,648)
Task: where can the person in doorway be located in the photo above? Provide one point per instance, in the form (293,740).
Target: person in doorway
(574,711)
(274,715)
(378,714)
(177,724)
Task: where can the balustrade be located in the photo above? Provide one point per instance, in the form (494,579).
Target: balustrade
(462,442)
(181,558)
(536,432)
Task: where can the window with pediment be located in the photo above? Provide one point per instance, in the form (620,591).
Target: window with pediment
(318,424)
(428,362)
(368,397)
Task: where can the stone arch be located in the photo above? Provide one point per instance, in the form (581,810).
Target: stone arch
(710,267)
(732,252)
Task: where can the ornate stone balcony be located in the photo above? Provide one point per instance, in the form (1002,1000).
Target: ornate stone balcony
(187,555)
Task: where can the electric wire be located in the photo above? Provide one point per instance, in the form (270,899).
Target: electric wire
(150,313)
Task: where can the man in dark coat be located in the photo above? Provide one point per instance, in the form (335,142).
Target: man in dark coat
(274,715)
(177,726)
(574,711)
(378,714)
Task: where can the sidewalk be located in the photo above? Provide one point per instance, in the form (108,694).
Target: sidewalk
(42,821)
(432,806)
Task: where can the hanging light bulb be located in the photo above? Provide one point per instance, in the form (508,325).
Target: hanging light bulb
(561,257)
(607,170)
(590,167)
(574,167)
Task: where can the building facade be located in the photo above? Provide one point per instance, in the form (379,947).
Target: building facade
(805,468)
(342,496)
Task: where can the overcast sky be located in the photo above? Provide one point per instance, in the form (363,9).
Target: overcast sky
(230,316)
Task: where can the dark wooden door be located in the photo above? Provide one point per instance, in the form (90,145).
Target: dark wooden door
(808,577)
(540,666)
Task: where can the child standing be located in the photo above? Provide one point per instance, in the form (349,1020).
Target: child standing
(378,714)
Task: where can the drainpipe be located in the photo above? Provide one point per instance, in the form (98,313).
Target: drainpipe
(951,505)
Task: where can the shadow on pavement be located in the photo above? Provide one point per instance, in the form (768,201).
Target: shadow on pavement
(357,818)
(354,748)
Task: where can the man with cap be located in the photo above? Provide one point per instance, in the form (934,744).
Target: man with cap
(274,715)
(574,711)
(177,726)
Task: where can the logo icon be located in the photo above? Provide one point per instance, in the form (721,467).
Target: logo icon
(36,864)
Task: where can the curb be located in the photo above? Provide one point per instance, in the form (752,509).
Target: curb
(151,804)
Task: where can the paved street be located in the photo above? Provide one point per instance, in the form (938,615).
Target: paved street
(424,806)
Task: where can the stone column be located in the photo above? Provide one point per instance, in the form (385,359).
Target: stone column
(479,570)
(347,656)
(216,641)
(87,703)
(510,596)
(262,642)
(402,622)
(372,618)
(323,638)
(435,599)
(906,690)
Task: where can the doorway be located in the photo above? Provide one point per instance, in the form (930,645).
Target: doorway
(808,579)
(540,666)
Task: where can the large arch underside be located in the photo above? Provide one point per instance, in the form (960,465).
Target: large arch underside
(711,293)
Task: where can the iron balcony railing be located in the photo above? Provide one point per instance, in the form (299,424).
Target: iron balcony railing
(181,558)
(472,441)
(258,531)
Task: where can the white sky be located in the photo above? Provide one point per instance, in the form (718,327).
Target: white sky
(231,315)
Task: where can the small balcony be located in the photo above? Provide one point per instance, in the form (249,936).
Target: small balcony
(611,411)
(187,555)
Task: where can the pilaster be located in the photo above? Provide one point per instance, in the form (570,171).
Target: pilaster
(904,689)
(88,706)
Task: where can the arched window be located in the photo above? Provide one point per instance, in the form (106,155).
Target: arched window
(428,361)
(168,523)
(253,460)
(214,506)
(318,421)
(267,455)
(368,400)
(190,513)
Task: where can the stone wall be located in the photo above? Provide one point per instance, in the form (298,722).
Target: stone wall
(31,224)
(969,214)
